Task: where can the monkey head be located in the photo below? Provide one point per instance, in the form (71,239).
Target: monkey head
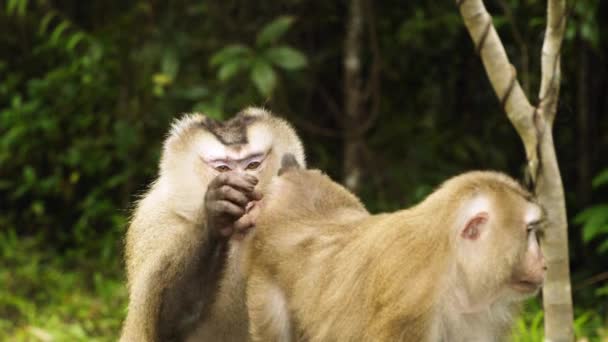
(199,148)
(299,192)
(497,228)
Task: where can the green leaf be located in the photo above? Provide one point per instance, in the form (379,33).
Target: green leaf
(192,92)
(600,179)
(274,30)
(58,31)
(74,40)
(46,20)
(229,69)
(570,33)
(583,216)
(21,9)
(37,207)
(603,248)
(602,291)
(11,6)
(228,53)
(170,64)
(263,77)
(499,21)
(29,174)
(213,108)
(287,58)
(594,220)
(161,79)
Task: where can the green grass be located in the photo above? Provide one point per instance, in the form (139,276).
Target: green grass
(45,297)
(588,324)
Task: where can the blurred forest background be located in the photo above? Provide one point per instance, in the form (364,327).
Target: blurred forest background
(88,89)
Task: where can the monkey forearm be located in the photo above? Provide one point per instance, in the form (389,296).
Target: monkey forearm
(186,301)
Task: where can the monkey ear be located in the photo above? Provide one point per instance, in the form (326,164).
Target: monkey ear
(288,162)
(473,227)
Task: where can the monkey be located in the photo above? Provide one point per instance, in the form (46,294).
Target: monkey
(185,235)
(455,267)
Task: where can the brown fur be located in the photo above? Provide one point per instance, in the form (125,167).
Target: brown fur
(168,234)
(320,268)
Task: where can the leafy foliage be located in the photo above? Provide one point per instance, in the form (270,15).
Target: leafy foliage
(79,300)
(594,219)
(88,90)
(259,60)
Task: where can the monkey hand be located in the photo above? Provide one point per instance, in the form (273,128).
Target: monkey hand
(247,221)
(227,200)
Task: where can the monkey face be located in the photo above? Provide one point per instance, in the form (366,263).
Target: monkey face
(529,272)
(500,256)
(198,149)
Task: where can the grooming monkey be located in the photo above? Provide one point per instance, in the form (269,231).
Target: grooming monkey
(182,246)
(452,268)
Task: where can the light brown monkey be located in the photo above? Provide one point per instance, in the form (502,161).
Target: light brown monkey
(453,268)
(183,242)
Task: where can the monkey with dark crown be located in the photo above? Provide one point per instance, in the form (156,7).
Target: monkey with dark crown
(453,268)
(185,236)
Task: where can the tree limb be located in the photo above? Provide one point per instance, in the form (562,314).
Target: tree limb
(353,94)
(501,73)
(550,58)
(524,55)
(534,125)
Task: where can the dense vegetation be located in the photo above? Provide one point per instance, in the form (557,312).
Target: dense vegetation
(88,89)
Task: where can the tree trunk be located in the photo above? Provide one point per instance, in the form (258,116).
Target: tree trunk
(534,125)
(353,97)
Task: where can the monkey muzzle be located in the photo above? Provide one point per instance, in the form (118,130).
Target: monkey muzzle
(528,283)
(526,287)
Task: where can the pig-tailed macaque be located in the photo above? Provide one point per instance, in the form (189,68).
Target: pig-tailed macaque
(452,268)
(183,243)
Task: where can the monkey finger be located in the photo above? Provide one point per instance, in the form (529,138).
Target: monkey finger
(228,193)
(218,181)
(243,224)
(251,179)
(241,181)
(255,195)
(233,179)
(226,207)
(225,231)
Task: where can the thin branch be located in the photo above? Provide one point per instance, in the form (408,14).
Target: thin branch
(592,280)
(534,126)
(523,47)
(502,74)
(352,62)
(353,94)
(550,58)
(373,89)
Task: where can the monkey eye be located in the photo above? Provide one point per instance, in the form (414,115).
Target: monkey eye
(253,165)
(223,168)
(535,226)
(535,229)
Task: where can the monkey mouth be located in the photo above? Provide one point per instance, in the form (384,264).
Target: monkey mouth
(525,286)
